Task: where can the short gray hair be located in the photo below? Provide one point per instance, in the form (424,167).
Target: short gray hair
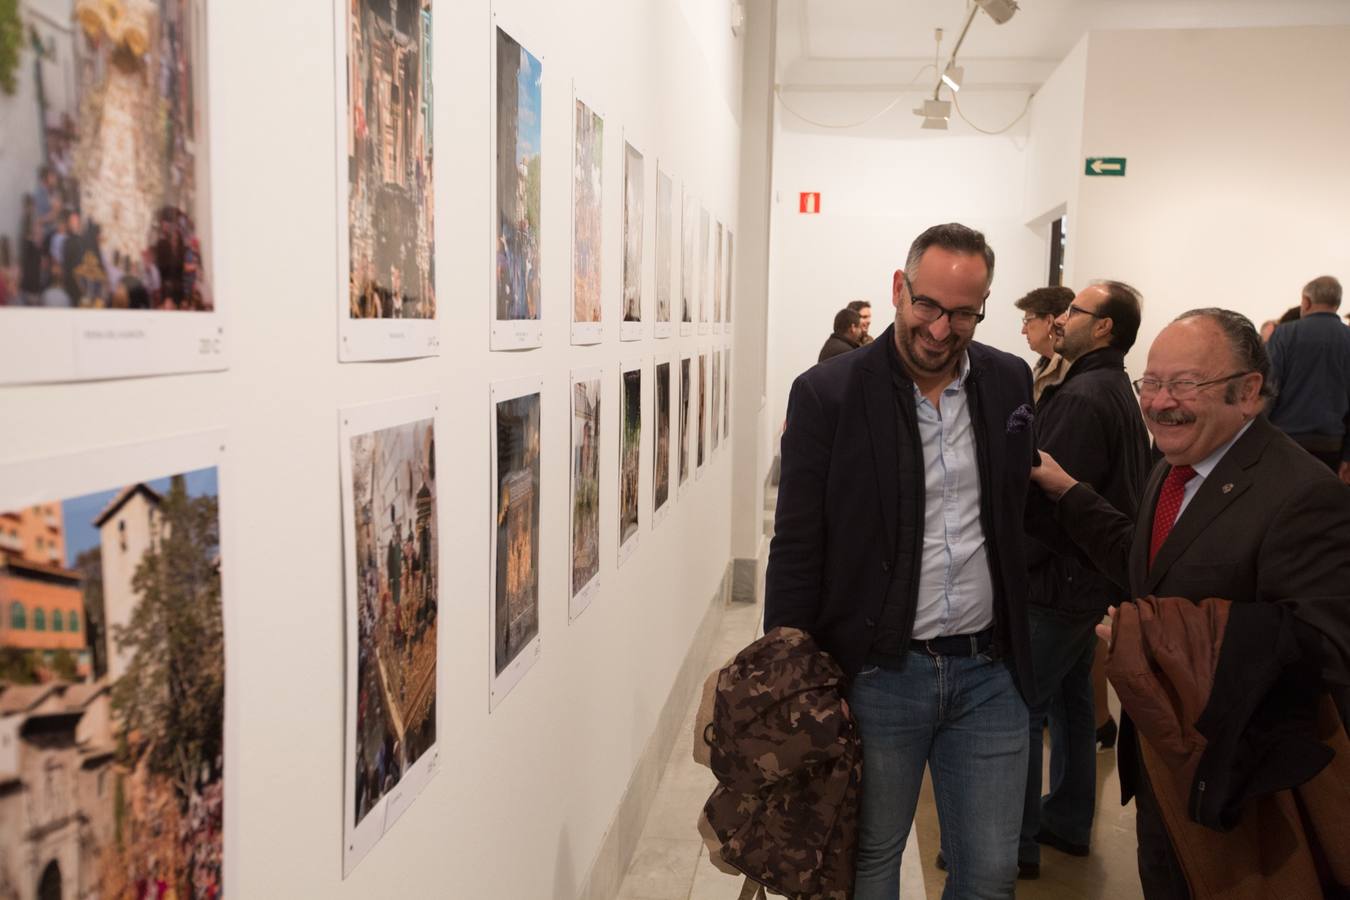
(956,238)
(1245,343)
(1324,291)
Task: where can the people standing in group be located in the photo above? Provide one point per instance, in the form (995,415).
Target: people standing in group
(1310,365)
(845,337)
(1040,308)
(864,311)
(1091,424)
(898,546)
(1237,511)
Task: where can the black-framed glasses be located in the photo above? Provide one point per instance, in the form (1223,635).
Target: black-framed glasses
(928,310)
(1182,389)
(1073,308)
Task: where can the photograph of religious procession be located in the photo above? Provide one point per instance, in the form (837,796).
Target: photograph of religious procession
(393,497)
(664,197)
(587,197)
(519,114)
(630,454)
(516,475)
(104,200)
(684,420)
(701,411)
(688,269)
(112,690)
(390,196)
(633,212)
(661,463)
(585,487)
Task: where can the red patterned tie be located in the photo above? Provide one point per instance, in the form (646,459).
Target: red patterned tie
(1169,504)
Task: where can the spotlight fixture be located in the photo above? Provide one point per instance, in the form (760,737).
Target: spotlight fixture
(934,124)
(953,76)
(935,114)
(999,10)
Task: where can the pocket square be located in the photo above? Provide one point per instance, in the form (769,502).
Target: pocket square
(1021,419)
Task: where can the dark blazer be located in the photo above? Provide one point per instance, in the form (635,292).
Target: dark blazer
(1090,423)
(834,345)
(850,512)
(1270,524)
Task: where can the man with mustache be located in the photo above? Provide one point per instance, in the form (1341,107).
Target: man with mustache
(1235,510)
(1091,424)
(898,547)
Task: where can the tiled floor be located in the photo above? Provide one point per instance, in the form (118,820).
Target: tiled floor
(671,862)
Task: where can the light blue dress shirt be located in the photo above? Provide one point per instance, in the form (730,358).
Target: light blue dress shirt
(956,589)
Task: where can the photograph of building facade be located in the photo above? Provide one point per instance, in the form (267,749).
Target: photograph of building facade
(634,183)
(104,195)
(519,168)
(517,528)
(661,462)
(112,675)
(688,270)
(397,585)
(630,453)
(585,483)
(664,199)
(684,420)
(587,207)
(390,190)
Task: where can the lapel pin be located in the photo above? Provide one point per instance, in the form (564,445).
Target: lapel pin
(1227,487)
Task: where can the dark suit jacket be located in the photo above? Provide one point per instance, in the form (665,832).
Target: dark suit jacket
(839,552)
(1270,524)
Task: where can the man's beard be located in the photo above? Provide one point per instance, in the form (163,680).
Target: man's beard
(923,359)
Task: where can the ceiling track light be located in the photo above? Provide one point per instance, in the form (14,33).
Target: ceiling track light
(953,75)
(999,10)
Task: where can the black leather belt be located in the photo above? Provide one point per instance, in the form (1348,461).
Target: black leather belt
(955,644)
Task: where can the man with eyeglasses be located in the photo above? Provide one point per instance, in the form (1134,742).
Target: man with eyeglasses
(899,547)
(1090,423)
(1235,510)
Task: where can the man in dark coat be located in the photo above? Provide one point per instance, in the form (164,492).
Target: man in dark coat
(1090,422)
(1235,510)
(847,335)
(898,546)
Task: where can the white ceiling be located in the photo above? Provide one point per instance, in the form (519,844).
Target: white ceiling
(837,33)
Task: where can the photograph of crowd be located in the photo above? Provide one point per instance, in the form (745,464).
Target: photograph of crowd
(664,196)
(684,420)
(394,512)
(717,273)
(633,210)
(630,444)
(517,533)
(103,175)
(585,483)
(587,194)
(701,412)
(519,177)
(688,233)
(715,419)
(661,464)
(390,197)
(112,692)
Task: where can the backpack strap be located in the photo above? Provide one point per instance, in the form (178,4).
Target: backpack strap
(752,890)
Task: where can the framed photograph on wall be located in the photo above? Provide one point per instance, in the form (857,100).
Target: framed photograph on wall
(688,263)
(634,215)
(701,417)
(717,278)
(116,677)
(588,153)
(665,197)
(726,393)
(662,443)
(731,279)
(391,529)
(715,414)
(704,271)
(386,210)
(517,161)
(686,422)
(514,606)
(107,245)
(584,568)
(630,457)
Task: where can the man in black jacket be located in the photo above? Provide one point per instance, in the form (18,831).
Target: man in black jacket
(847,335)
(1090,422)
(899,547)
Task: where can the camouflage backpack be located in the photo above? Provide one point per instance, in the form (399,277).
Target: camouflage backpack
(788,760)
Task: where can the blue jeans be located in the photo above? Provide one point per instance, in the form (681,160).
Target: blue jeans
(964,718)
(1062,646)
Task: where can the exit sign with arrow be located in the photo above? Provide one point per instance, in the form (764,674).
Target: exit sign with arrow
(1105,165)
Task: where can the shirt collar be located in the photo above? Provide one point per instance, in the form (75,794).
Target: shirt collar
(1206,465)
(958,383)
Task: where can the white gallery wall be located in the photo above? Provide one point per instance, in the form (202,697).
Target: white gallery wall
(524,795)
(1236,179)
